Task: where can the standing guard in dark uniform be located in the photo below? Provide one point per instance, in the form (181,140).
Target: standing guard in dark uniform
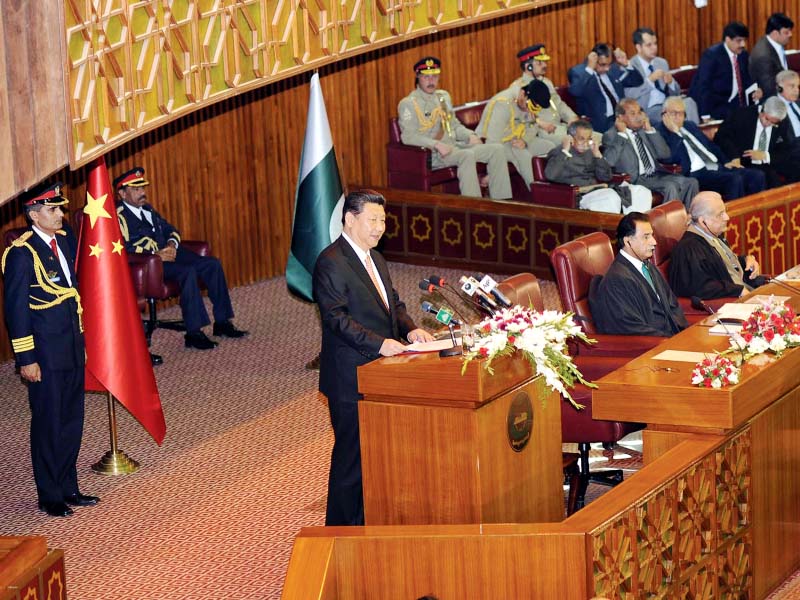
(43,314)
(146,231)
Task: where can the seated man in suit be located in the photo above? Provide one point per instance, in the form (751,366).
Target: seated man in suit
(146,231)
(632,298)
(769,54)
(426,120)
(722,79)
(362,319)
(761,137)
(633,146)
(658,81)
(579,162)
(703,263)
(788,86)
(510,118)
(599,82)
(555,116)
(702,159)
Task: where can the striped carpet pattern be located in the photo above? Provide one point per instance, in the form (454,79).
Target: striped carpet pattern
(242,469)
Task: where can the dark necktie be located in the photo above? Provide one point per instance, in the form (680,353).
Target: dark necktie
(54,247)
(646,164)
(738,74)
(793,108)
(706,156)
(658,83)
(609,94)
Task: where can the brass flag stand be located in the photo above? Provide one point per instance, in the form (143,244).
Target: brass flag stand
(115,461)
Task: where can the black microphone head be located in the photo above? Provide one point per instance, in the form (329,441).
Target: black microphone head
(697,304)
(425,285)
(437,281)
(427,307)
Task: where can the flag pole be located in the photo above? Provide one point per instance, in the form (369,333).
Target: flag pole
(115,461)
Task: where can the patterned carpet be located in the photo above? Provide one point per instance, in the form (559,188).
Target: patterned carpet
(242,469)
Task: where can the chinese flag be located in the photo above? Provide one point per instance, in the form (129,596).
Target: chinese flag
(117,358)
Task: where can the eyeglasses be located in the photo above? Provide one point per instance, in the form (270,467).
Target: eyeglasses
(676,113)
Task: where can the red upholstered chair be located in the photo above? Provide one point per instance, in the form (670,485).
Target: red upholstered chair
(575,264)
(684,75)
(577,426)
(562,194)
(147,274)
(669,223)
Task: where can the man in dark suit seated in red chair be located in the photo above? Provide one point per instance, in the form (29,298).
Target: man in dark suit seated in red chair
(145,231)
(633,298)
(703,264)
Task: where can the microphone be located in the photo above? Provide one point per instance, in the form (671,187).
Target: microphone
(428,285)
(443,286)
(471,287)
(489,285)
(783,284)
(698,304)
(443,315)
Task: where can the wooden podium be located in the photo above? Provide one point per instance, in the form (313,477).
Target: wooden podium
(439,447)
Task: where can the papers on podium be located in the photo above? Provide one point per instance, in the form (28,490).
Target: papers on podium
(434,346)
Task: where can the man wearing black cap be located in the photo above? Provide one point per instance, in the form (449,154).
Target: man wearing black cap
(510,119)
(145,231)
(426,120)
(43,315)
(556,115)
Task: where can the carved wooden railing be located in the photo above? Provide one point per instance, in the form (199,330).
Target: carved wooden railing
(680,527)
(508,237)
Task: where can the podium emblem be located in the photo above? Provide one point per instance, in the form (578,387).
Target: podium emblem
(520,421)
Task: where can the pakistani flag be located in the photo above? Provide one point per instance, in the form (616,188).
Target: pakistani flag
(319,199)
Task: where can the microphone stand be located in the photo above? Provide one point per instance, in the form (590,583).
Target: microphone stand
(698,304)
(784,285)
(456,350)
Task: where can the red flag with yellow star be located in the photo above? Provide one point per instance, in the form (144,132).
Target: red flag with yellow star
(117,358)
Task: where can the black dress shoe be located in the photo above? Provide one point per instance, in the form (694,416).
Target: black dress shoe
(198,340)
(227,329)
(156,359)
(55,509)
(81,500)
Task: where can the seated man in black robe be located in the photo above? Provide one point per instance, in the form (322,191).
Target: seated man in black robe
(633,298)
(702,263)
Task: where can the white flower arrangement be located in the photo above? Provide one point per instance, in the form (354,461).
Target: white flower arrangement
(540,336)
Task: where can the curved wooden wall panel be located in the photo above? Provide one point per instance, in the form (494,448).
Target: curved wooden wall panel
(133,65)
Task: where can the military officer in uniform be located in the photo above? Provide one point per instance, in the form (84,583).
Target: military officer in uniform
(427,120)
(146,231)
(553,119)
(43,315)
(510,119)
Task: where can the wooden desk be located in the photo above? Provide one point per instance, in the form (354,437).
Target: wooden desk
(439,447)
(766,401)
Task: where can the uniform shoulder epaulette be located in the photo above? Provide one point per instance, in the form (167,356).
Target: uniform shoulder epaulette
(20,241)
(120,208)
(61,232)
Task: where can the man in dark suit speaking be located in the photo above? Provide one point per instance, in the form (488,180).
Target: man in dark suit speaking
(362,319)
